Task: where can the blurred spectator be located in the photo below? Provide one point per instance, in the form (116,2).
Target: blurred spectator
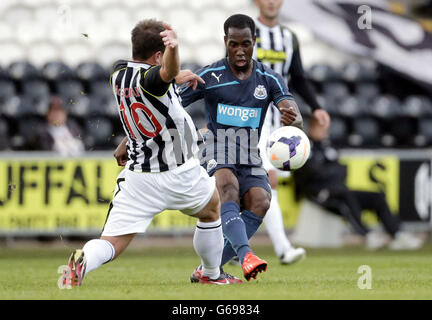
(60,134)
(322,180)
(423,9)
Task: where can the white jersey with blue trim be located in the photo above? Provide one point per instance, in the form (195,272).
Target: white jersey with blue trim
(232,103)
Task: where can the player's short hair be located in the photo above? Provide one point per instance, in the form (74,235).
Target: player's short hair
(239,21)
(146,39)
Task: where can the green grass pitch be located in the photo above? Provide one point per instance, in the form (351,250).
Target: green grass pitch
(163,274)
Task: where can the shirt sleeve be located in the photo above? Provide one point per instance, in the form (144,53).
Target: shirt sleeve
(188,95)
(152,82)
(278,89)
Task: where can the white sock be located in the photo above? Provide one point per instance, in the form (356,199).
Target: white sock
(274,225)
(208,243)
(97,252)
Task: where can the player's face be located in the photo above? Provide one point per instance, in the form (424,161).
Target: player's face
(239,44)
(269,8)
(57,116)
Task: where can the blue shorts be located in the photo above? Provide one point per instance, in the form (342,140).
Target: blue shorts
(247,176)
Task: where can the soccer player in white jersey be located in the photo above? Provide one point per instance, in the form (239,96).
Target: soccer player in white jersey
(277,47)
(162,171)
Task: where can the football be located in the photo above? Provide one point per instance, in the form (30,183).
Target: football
(288,148)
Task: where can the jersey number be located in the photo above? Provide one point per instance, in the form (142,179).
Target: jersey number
(149,115)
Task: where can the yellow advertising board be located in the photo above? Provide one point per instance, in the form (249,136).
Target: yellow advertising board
(53,194)
(364,173)
(49,194)
(69,194)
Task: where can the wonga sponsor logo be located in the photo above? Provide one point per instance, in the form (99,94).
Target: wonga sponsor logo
(238,116)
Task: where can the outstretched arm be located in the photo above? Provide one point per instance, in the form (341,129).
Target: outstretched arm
(170,60)
(187,76)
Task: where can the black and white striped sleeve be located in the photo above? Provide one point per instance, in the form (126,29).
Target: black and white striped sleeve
(152,82)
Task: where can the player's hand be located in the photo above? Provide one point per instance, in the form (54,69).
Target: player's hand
(169,37)
(322,117)
(187,76)
(120,153)
(288,115)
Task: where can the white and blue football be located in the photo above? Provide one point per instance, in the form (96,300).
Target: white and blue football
(288,148)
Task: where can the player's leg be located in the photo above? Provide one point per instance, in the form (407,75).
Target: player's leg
(94,253)
(125,218)
(273,222)
(256,202)
(97,252)
(208,237)
(201,200)
(233,226)
(255,191)
(377,201)
(208,243)
(342,201)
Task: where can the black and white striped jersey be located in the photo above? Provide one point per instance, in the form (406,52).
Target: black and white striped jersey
(275,47)
(161,134)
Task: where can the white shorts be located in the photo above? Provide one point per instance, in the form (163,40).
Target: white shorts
(271,123)
(140,196)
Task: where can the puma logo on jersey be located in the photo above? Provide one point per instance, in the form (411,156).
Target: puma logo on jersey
(217,77)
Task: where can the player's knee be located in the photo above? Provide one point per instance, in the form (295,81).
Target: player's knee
(229,192)
(259,206)
(209,216)
(215,205)
(211,212)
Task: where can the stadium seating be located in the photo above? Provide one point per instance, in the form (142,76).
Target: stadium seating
(365,132)
(4,134)
(424,132)
(338,132)
(99,133)
(22,71)
(9,101)
(25,138)
(68,49)
(362,114)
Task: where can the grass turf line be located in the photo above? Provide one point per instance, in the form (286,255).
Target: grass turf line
(163,274)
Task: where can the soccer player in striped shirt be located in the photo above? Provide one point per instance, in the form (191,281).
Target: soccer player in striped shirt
(277,47)
(162,171)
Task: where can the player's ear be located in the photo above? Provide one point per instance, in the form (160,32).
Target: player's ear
(158,57)
(254,40)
